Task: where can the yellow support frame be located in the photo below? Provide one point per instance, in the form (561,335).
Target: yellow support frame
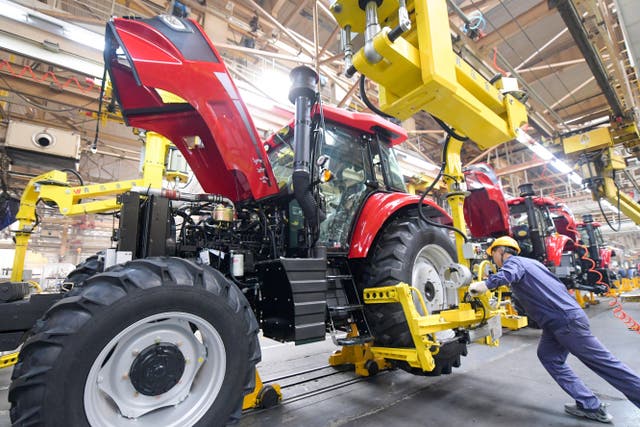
(53,187)
(420,71)
(8,360)
(360,356)
(424,327)
(254,399)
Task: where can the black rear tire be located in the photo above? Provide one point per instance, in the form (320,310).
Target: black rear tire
(393,259)
(53,370)
(89,267)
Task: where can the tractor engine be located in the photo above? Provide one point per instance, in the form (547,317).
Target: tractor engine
(230,239)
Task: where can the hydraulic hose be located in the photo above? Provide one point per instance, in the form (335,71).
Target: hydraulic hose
(421,214)
(618,310)
(450,134)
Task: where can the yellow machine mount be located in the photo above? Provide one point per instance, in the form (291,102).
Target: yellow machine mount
(600,160)
(482,312)
(54,187)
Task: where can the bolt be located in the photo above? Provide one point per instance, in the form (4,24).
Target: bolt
(136,394)
(125,376)
(179,344)
(135,353)
(100,379)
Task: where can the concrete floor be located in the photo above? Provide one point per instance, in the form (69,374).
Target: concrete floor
(504,386)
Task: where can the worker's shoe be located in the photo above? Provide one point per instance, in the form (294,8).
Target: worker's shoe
(599,414)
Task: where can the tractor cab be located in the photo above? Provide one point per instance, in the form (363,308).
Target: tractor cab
(350,163)
(532,226)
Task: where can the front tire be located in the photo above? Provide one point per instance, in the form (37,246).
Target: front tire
(154,342)
(415,253)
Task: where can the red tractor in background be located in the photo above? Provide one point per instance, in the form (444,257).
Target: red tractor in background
(599,252)
(544,228)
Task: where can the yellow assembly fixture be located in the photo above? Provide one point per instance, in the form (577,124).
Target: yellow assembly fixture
(599,159)
(54,187)
(424,327)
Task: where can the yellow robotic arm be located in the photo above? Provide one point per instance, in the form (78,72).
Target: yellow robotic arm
(53,187)
(409,53)
(600,161)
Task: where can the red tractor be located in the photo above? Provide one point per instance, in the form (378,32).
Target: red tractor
(286,237)
(599,252)
(544,228)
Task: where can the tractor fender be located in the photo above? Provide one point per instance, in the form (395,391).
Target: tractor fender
(556,244)
(605,257)
(378,208)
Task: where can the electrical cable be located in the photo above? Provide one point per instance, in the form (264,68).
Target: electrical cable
(616,304)
(618,207)
(368,103)
(73,172)
(40,106)
(450,134)
(431,186)
(94,145)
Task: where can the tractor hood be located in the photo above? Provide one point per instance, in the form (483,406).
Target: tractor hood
(485,208)
(168,78)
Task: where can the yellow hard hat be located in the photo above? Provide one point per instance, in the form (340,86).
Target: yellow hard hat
(506,241)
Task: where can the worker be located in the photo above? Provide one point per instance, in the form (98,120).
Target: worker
(565,329)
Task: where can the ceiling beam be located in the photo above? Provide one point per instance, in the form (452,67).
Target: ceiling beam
(574,21)
(514,26)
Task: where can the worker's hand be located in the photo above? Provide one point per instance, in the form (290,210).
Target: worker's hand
(477,288)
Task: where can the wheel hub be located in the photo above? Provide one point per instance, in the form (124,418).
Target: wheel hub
(429,291)
(157,369)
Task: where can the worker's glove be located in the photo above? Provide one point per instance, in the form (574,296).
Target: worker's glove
(477,288)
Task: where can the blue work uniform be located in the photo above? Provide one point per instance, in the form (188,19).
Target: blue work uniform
(565,329)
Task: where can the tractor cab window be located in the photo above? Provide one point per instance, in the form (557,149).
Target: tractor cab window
(386,160)
(599,238)
(281,156)
(548,225)
(345,154)
(521,227)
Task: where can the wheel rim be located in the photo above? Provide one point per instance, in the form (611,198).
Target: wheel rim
(110,397)
(425,276)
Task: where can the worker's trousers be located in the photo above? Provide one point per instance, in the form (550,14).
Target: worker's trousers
(572,335)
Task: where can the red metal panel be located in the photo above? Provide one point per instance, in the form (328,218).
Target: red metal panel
(231,159)
(555,244)
(377,209)
(485,208)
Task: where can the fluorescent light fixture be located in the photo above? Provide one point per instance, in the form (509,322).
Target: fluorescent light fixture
(413,160)
(525,139)
(541,151)
(44,22)
(560,166)
(575,178)
(84,36)
(13,11)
